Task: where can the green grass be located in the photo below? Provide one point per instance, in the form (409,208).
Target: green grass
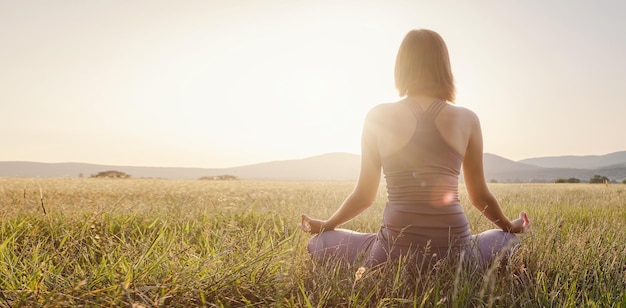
(147,243)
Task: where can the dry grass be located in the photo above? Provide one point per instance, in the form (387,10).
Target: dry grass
(147,243)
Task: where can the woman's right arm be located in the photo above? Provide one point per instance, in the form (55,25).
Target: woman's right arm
(366,189)
(477,189)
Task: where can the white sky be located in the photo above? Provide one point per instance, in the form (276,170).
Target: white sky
(228,83)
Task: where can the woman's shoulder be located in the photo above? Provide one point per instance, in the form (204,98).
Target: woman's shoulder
(386,109)
(462,112)
(398,110)
(460,109)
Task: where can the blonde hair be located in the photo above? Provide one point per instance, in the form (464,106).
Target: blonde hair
(423,66)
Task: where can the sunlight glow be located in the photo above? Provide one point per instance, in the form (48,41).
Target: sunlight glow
(226,83)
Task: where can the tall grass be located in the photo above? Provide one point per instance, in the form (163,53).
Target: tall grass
(148,243)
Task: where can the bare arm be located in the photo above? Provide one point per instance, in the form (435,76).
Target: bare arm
(477,189)
(365,190)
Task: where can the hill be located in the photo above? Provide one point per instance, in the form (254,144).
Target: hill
(332,166)
(36,169)
(327,167)
(578,162)
(341,167)
(547,169)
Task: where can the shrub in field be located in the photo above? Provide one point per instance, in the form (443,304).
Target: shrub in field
(570,180)
(599,179)
(224,177)
(111,174)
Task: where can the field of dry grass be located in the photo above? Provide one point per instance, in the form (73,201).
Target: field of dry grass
(144,243)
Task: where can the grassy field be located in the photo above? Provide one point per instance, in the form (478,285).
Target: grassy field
(144,243)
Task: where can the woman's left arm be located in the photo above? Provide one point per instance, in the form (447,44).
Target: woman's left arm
(366,189)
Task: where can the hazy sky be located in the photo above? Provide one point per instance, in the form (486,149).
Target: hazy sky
(228,83)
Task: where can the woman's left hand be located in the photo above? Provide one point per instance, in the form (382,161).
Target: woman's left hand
(521,224)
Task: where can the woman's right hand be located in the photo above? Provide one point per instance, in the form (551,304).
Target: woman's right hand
(521,224)
(311,225)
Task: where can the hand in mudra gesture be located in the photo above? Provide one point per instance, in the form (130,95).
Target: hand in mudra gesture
(311,225)
(521,224)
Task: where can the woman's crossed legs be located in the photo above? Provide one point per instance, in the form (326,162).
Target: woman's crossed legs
(350,246)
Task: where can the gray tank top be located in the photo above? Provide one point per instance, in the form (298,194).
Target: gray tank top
(422,187)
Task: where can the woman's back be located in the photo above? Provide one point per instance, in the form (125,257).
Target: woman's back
(426,169)
(395,125)
(421,169)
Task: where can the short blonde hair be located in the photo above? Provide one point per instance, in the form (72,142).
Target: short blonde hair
(423,66)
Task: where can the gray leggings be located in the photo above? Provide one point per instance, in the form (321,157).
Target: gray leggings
(352,247)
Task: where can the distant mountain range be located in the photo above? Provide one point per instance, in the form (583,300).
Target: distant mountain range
(548,169)
(343,167)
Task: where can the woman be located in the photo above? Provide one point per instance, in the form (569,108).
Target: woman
(420,142)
